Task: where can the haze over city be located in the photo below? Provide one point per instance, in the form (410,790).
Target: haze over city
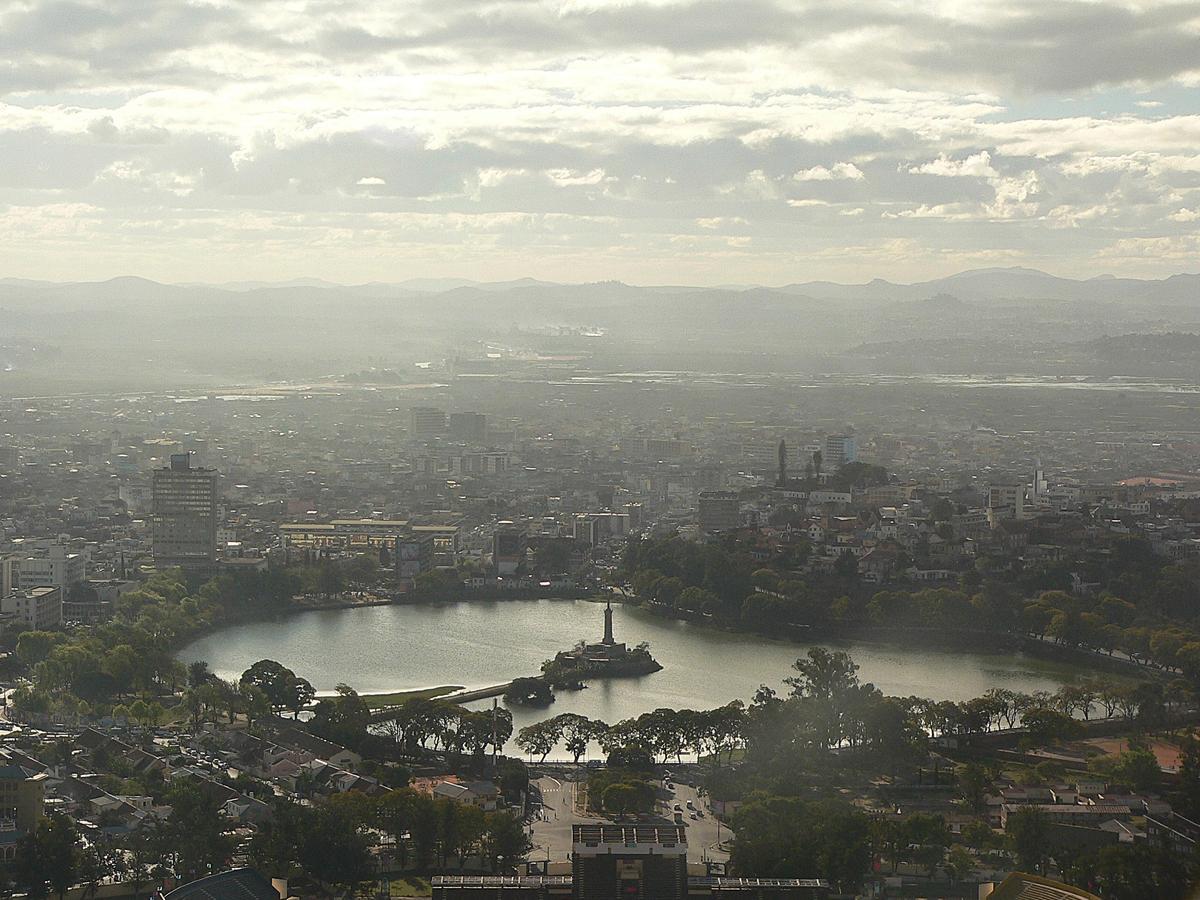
(600,449)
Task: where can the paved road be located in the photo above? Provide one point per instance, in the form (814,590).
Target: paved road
(552,825)
(701,831)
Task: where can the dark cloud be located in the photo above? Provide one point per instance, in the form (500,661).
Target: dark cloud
(1034,45)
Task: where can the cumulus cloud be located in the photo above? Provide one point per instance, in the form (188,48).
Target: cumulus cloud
(571,133)
(978,165)
(836,172)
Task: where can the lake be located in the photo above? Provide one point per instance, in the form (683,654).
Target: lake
(476,644)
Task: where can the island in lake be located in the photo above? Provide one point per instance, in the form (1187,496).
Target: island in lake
(606,659)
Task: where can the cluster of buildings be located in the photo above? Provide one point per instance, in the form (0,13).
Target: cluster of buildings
(626,860)
(98,492)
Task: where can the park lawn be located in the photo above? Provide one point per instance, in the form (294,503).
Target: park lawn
(378,701)
(410,886)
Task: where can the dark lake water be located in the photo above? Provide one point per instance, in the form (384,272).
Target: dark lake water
(386,648)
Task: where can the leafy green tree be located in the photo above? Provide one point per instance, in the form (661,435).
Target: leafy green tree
(281,686)
(397,813)
(48,857)
(1138,768)
(928,836)
(198,673)
(1029,833)
(631,757)
(197,830)
(1189,777)
(1045,726)
(529,692)
(824,675)
(781,837)
(333,848)
(959,864)
(35,646)
(846,565)
(620,799)
(540,738)
(506,843)
(973,781)
(342,718)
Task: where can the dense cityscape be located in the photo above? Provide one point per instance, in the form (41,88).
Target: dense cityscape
(1042,545)
(599,450)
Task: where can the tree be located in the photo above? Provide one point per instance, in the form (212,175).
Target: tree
(506,841)
(632,757)
(273,679)
(624,797)
(342,718)
(124,664)
(928,837)
(782,837)
(1138,768)
(198,673)
(973,781)
(1029,832)
(395,813)
(48,856)
(333,846)
(540,738)
(139,711)
(578,731)
(253,701)
(824,675)
(1046,726)
(959,864)
(197,830)
(1189,777)
(529,692)
(95,864)
(35,646)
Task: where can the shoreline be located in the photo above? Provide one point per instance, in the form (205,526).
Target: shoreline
(946,639)
(976,642)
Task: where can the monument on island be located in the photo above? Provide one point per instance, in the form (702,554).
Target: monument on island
(606,659)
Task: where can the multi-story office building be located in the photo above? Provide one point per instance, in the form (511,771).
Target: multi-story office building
(9,572)
(470,427)
(426,422)
(508,548)
(184,523)
(839,450)
(629,861)
(719,511)
(414,555)
(38,608)
(55,566)
(1006,500)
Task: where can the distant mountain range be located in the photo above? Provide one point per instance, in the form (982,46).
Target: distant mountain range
(1010,319)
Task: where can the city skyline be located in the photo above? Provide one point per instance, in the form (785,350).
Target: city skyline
(650,142)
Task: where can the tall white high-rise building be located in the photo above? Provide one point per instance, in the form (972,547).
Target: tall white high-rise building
(839,450)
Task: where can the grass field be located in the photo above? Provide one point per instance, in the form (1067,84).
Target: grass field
(378,701)
(410,886)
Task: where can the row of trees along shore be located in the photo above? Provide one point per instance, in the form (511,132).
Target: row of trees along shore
(787,757)
(1144,607)
(845,715)
(127,665)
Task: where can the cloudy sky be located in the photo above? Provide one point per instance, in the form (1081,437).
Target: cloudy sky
(652,141)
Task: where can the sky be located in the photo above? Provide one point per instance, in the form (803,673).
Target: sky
(650,141)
